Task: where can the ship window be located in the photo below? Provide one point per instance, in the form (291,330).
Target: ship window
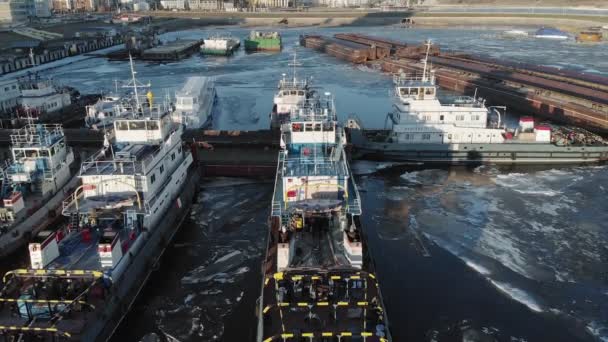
(162,169)
(441,117)
(328,127)
(19,154)
(403,91)
(301,93)
(426,136)
(459,117)
(429,91)
(153,179)
(173,156)
(31,153)
(44,153)
(413,91)
(318,127)
(296,127)
(449,136)
(308,127)
(427,118)
(137,125)
(475,117)
(293,92)
(122,125)
(152,125)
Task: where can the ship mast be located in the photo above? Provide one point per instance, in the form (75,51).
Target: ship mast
(135,84)
(294,64)
(426,60)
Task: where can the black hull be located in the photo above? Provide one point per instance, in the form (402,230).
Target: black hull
(126,289)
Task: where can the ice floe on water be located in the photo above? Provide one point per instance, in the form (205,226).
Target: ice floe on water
(535,235)
(518,295)
(425,177)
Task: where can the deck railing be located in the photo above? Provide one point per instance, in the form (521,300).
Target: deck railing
(37,134)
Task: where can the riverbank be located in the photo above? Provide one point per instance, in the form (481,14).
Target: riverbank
(173,21)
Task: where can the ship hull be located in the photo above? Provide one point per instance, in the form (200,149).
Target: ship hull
(132,280)
(470,153)
(217,52)
(263,44)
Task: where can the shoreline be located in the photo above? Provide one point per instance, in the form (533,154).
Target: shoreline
(175,21)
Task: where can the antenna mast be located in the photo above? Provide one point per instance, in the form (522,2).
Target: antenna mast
(134,82)
(426,60)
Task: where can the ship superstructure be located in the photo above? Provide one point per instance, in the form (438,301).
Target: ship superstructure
(220,45)
(43,95)
(292,93)
(101,115)
(83,277)
(194,102)
(318,280)
(33,182)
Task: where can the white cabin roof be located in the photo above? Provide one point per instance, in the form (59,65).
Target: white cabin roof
(193,86)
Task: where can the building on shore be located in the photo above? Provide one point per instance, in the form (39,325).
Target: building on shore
(271,3)
(194,5)
(17,11)
(6,15)
(173,4)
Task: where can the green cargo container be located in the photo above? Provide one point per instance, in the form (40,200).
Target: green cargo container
(263,41)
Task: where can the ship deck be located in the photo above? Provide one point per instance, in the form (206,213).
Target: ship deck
(317,245)
(107,164)
(322,305)
(49,305)
(78,251)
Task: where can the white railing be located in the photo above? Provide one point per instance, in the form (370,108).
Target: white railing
(37,134)
(414,78)
(291,83)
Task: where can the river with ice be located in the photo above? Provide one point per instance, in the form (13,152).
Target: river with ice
(478,254)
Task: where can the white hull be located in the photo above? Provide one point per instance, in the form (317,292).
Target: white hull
(552,37)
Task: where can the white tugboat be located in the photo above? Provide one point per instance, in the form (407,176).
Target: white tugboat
(194,102)
(318,281)
(466,131)
(292,93)
(220,45)
(83,278)
(34,184)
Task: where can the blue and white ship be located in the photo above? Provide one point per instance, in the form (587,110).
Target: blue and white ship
(551,33)
(318,281)
(33,183)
